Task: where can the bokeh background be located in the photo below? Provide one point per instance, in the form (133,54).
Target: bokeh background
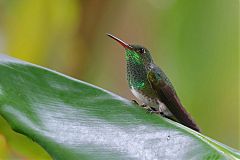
(195,42)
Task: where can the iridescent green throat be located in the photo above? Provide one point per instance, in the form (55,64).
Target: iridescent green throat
(133,57)
(136,72)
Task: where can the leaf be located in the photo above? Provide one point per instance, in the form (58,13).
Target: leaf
(72,119)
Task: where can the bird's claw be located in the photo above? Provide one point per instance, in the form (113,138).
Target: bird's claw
(152,111)
(135,102)
(141,105)
(148,109)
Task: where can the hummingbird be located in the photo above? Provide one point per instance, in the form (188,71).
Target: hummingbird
(149,84)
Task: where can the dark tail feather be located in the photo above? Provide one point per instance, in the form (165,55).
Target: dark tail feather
(170,99)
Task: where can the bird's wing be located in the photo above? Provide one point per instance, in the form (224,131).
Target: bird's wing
(168,96)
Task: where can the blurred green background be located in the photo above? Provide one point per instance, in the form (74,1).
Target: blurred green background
(195,42)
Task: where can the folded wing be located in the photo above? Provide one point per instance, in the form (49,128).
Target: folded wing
(168,96)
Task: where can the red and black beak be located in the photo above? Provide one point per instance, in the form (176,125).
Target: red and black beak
(124,44)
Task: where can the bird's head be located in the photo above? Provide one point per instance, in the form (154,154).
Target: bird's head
(135,53)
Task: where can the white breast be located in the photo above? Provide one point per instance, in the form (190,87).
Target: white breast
(143,98)
(151,102)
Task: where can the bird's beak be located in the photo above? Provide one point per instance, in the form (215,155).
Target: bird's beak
(124,44)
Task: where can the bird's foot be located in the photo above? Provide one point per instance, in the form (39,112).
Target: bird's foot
(146,107)
(156,112)
(134,102)
(141,105)
(152,110)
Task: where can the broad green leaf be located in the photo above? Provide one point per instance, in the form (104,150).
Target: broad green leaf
(72,119)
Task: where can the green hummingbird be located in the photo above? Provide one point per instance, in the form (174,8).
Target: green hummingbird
(150,85)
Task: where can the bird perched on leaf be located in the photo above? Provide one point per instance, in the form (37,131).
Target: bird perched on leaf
(151,86)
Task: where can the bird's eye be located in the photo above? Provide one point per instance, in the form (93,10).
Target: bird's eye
(141,50)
